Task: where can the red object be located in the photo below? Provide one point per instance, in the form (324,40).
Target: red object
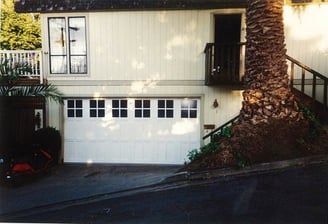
(22,167)
(46,154)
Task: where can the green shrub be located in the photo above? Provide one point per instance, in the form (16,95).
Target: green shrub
(227,131)
(203,151)
(315,126)
(242,161)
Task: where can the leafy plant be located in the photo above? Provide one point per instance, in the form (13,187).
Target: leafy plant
(242,161)
(9,75)
(315,125)
(19,30)
(226,131)
(203,151)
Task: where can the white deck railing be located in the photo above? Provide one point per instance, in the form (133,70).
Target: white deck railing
(31,57)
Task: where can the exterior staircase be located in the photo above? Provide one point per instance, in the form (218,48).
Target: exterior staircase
(309,87)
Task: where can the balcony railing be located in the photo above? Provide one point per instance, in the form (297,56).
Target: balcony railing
(222,63)
(32,58)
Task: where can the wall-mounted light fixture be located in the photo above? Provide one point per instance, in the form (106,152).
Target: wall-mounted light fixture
(215,103)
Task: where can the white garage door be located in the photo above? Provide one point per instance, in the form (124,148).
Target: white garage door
(157,131)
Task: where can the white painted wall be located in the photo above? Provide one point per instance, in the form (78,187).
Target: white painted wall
(306,31)
(148,54)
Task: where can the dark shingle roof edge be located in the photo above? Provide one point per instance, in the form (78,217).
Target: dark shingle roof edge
(53,6)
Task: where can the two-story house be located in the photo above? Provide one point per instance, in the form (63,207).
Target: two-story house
(143,80)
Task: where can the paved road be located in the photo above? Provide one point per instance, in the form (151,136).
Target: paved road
(295,195)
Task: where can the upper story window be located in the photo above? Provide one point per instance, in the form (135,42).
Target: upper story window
(67,45)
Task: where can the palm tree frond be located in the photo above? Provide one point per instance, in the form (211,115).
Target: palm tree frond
(10,71)
(48,91)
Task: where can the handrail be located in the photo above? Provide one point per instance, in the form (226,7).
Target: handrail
(306,68)
(316,75)
(219,129)
(208,46)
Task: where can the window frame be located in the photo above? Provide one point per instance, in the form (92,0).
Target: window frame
(68,62)
(74,109)
(165,109)
(97,109)
(189,109)
(120,109)
(145,112)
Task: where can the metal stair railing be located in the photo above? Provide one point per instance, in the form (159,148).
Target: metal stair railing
(219,130)
(316,80)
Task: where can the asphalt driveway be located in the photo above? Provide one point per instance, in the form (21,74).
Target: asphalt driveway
(72,182)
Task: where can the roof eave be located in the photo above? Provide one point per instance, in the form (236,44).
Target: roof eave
(28,6)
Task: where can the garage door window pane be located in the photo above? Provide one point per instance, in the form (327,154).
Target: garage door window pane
(79,113)
(78,103)
(70,103)
(101,113)
(161,113)
(165,108)
(124,113)
(70,113)
(189,109)
(169,113)
(193,114)
(74,108)
(116,113)
(161,103)
(184,114)
(93,104)
(169,104)
(119,108)
(142,108)
(101,103)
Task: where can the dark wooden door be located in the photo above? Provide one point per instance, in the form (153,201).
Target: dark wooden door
(227,48)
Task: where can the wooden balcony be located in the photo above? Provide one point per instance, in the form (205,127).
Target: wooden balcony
(222,63)
(32,58)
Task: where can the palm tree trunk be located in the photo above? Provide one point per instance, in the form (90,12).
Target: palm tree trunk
(267,93)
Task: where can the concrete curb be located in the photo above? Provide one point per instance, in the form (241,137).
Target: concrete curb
(250,170)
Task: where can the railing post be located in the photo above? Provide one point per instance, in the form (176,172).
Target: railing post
(303,81)
(292,70)
(314,85)
(325,89)
(39,56)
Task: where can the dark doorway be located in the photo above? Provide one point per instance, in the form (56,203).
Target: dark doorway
(227,48)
